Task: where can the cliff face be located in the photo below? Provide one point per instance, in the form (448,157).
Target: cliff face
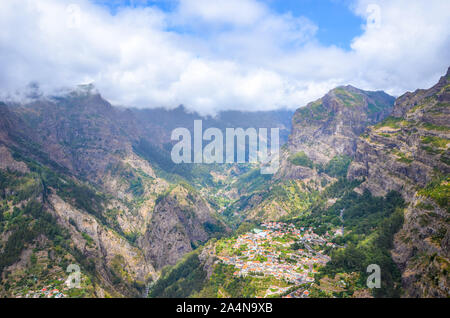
(330,126)
(104,247)
(81,132)
(181,221)
(409,153)
(324,133)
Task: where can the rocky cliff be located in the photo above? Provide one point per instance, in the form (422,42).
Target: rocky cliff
(182,220)
(322,142)
(330,125)
(409,152)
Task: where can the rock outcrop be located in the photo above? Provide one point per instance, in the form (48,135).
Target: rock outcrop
(181,221)
(409,153)
(330,125)
(102,245)
(8,162)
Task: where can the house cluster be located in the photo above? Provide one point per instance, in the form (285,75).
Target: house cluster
(299,293)
(267,252)
(46,292)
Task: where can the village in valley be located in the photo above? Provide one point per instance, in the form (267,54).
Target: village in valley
(58,290)
(280,250)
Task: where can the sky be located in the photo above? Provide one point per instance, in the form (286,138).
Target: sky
(212,55)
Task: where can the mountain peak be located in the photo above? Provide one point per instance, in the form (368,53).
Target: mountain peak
(410,100)
(84,90)
(329,126)
(347,88)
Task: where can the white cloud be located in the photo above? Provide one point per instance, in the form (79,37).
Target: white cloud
(214,55)
(233,12)
(411,45)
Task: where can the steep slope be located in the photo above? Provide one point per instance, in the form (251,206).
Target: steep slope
(50,220)
(160,122)
(182,220)
(80,131)
(73,158)
(409,153)
(319,150)
(330,125)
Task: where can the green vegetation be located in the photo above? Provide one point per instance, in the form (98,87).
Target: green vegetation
(349,99)
(181,280)
(445,159)
(380,103)
(79,194)
(24,198)
(434,141)
(321,219)
(370,224)
(214,229)
(439,235)
(293,196)
(363,213)
(313,111)
(341,188)
(425,206)
(301,159)
(253,180)
(430,126)
(392,122)
(439,191)
(337,166)
(431,150)
(223,283)
(166,168)
(402,157)
(245,227)
(26,226)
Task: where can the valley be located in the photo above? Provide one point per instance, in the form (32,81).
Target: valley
(363,179)
(276,250)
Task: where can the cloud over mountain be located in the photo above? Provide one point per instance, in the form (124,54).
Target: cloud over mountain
(215,55)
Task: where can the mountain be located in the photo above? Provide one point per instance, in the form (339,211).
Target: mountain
(330,125)
(361,172)
(409,152)
(363,180)
(178,209)
(84,182)
(320,147)
(162,121)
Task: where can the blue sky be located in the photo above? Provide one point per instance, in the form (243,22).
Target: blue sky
(337,23)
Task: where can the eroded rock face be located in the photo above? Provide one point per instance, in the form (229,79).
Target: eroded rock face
(321,130)
(8,162)
(330,126)
(106,246)
(409,153)
(181,220)
(81,132)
